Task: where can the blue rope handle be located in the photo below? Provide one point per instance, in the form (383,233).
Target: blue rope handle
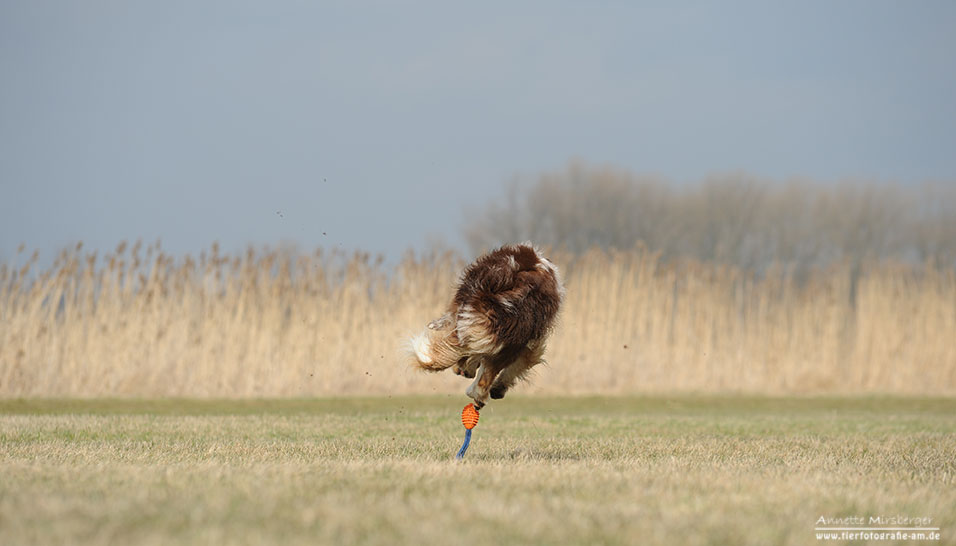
(464,446)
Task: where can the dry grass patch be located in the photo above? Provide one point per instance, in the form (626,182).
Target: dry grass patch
(277,323)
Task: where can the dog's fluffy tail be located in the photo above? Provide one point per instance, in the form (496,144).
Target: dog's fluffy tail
(434,350)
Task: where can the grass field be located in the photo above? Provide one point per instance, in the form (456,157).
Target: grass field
(648,470)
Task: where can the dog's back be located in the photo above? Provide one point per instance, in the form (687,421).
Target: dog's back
(516,289)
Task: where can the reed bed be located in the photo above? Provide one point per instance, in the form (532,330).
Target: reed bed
(268,322)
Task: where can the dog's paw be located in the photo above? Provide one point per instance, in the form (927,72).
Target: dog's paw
(463,371)
(498,392)
(440,323)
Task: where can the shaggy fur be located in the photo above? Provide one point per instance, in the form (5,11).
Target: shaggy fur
(496,325)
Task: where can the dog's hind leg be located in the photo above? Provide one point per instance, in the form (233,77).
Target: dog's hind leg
(528,358)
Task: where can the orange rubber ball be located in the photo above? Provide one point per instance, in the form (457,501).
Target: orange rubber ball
(469,416)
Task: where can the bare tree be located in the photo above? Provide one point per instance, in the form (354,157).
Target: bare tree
(735,218)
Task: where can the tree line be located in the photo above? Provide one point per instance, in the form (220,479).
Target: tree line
(736,219)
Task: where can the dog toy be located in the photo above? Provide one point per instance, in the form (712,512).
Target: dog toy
(469,418)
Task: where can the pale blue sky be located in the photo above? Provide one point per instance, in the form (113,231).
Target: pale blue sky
(376,123)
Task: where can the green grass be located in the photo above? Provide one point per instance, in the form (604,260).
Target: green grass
(654,470)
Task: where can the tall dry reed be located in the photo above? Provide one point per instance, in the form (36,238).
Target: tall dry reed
(139,322)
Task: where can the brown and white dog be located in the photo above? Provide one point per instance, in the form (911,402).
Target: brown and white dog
(496,326)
